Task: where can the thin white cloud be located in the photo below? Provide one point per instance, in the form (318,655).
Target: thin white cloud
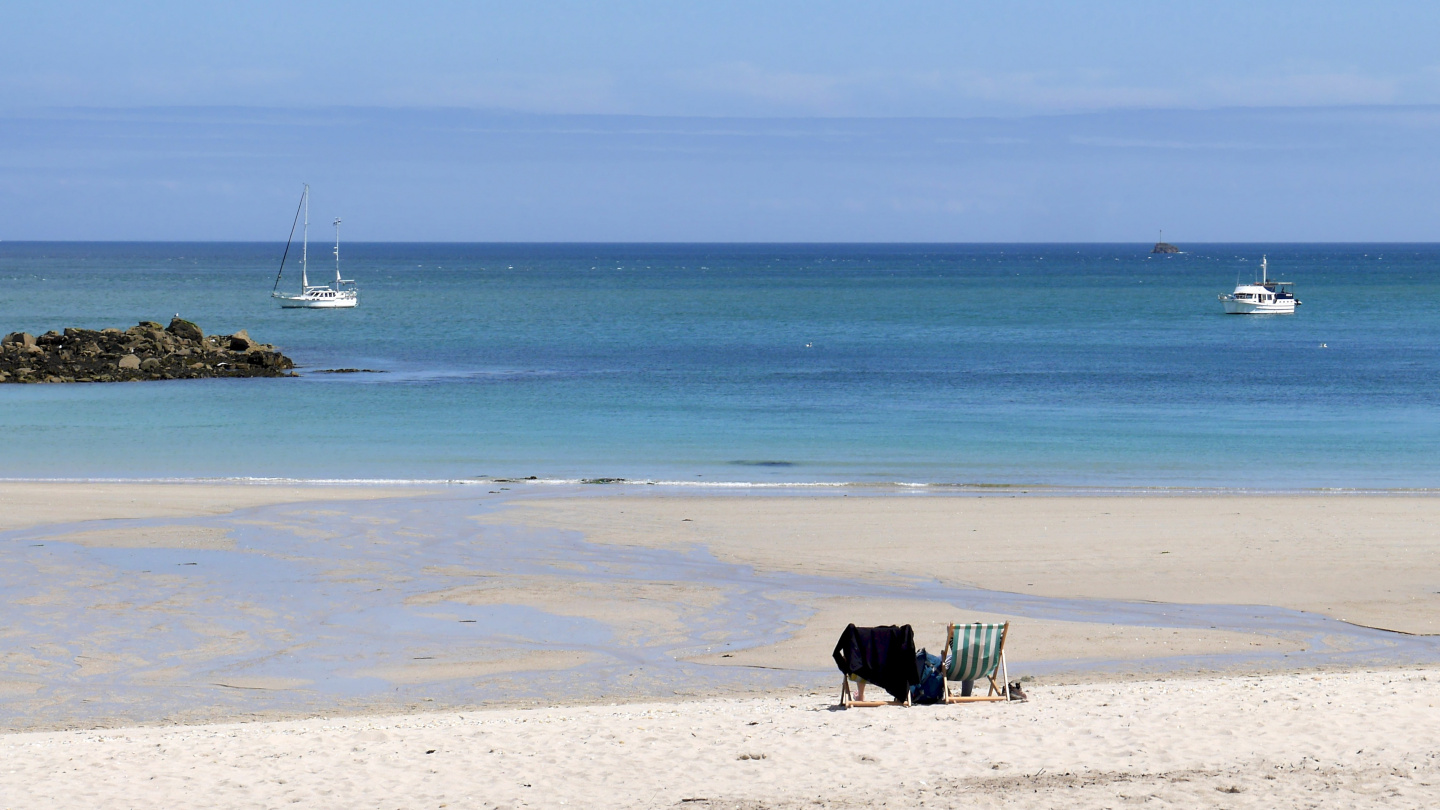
(1300,90)
(587,92)
(737,88)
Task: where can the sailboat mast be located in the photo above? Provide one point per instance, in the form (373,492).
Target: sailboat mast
(337,250)
(305,244)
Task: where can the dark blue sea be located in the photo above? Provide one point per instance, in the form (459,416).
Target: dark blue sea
(1034,365)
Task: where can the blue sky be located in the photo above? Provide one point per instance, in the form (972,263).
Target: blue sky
(919,121)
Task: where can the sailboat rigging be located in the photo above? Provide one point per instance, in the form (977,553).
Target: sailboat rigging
(341,293)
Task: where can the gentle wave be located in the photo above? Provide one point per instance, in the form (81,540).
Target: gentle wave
(898,487)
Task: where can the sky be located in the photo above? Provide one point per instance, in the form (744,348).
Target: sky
(735,121)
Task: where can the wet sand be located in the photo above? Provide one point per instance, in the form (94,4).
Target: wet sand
(35,503)
(152,603)
(1365,559)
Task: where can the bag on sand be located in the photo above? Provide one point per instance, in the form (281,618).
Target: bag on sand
(931,687)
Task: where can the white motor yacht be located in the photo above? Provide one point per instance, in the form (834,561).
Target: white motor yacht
(1263,297)
(339,294)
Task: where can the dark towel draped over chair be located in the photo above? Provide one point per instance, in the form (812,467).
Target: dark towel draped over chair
(884,656)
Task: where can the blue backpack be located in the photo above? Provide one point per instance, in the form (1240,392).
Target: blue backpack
(931,688)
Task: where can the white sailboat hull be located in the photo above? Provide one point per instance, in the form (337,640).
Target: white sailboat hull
(326,299)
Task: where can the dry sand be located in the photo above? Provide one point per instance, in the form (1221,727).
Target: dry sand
(1361,740)
(1367,559)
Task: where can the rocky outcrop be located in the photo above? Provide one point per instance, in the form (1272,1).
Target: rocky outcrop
(147,351)
(1164,247)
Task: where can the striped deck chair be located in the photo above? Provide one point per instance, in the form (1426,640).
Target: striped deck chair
(975,651)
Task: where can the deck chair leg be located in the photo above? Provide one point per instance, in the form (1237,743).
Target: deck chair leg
(944,656)
(845,691)
(1005,673)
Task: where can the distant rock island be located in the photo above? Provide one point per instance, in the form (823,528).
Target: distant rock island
(147,351)
(1164,247)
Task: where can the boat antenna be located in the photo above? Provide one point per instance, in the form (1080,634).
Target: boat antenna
(288,240)
(337,248)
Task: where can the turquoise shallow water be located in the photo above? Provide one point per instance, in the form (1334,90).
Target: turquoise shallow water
(1066,365)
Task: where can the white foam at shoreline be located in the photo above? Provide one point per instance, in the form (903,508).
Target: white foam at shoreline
(981,488)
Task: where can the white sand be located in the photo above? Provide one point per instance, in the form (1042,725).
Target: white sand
(1363,739)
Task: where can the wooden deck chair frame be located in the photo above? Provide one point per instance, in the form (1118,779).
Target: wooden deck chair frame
(998,691)
(847,701)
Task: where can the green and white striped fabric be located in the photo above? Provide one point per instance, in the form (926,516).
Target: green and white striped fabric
(974,651)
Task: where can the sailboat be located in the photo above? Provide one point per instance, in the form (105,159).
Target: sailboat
(337,295)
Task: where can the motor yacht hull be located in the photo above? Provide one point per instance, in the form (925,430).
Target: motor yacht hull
(1281,307)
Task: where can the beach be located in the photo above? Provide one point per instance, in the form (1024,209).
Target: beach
(573,639)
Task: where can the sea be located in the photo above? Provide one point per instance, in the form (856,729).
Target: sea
(964,366)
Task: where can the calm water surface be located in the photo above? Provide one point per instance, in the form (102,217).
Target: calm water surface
(1070,365)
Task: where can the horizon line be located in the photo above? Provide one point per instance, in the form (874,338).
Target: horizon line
(586,242)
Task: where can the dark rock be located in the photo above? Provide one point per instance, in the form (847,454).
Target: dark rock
(146,331)
(241,342)
(185,330)
(1164,247)
(265,359)
(142,352)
